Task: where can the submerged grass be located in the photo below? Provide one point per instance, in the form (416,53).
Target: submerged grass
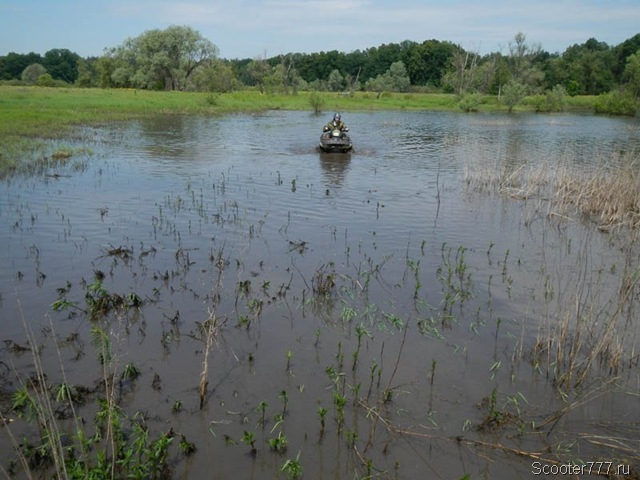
(62,444)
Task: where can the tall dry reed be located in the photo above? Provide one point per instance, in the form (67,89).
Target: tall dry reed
(607,193)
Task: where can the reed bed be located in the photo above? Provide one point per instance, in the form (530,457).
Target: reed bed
(587,327)
(610,197)
(607,194)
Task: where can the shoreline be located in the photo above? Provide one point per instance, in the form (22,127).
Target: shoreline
(29,116)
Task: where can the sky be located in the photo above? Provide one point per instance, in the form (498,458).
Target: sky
(253,29)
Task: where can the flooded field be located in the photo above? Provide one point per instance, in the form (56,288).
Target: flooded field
(215,298)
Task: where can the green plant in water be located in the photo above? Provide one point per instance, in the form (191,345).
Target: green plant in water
(316,101)
(324,281)
(339,401)
(395,321)
(279,443)
(434,363)
(249,438)
(64,304)
(130,372)
(322,413)
(255,306)
(293,468)
(284,398)
(65,393)
(262,409)
(352,437)
(347,314)
(289,355)
(387,395)
(101,340)
(494,368)
(243,321)
(24,403)
(361,331)
(496,417)
(185,446)
(415,268)
(373,369)
(340,356)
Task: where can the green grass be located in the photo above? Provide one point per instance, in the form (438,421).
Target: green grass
(47,112)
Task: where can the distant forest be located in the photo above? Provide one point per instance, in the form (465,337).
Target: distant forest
(179,58)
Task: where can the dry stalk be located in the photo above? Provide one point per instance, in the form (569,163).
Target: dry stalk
(110,362)
(4,422)
(614,443)
(210,328)
(554,418)
(395,368)
(393,430)
(45,410)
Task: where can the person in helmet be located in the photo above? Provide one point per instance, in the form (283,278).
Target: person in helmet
(336,122)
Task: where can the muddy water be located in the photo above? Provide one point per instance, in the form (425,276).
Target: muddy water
(307,261)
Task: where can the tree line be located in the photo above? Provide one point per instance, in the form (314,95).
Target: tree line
(180,58)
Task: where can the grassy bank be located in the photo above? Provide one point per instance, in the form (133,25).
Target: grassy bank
(29,113)
(45,112)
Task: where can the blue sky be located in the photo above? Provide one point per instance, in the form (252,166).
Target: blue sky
(252,28)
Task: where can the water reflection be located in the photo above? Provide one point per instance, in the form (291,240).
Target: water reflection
(168,136)
(335,167)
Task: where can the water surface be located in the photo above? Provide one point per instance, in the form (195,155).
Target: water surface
(446,290)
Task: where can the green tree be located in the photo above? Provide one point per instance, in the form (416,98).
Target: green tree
(621,53)
(256,73)
(632,74)
(513,93)
(87,73)
(287,73)
(555,72)
(395,79)
(585,69)
(105,67)
(31,74)
(335,81)
(463,75)
(45,80)
(217,76)
(556,99)
(275,79)
(14,64)
(62,64)
(399,77)
(428,62)
(380,59)
(521,61)
(161,59)
(121,65)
